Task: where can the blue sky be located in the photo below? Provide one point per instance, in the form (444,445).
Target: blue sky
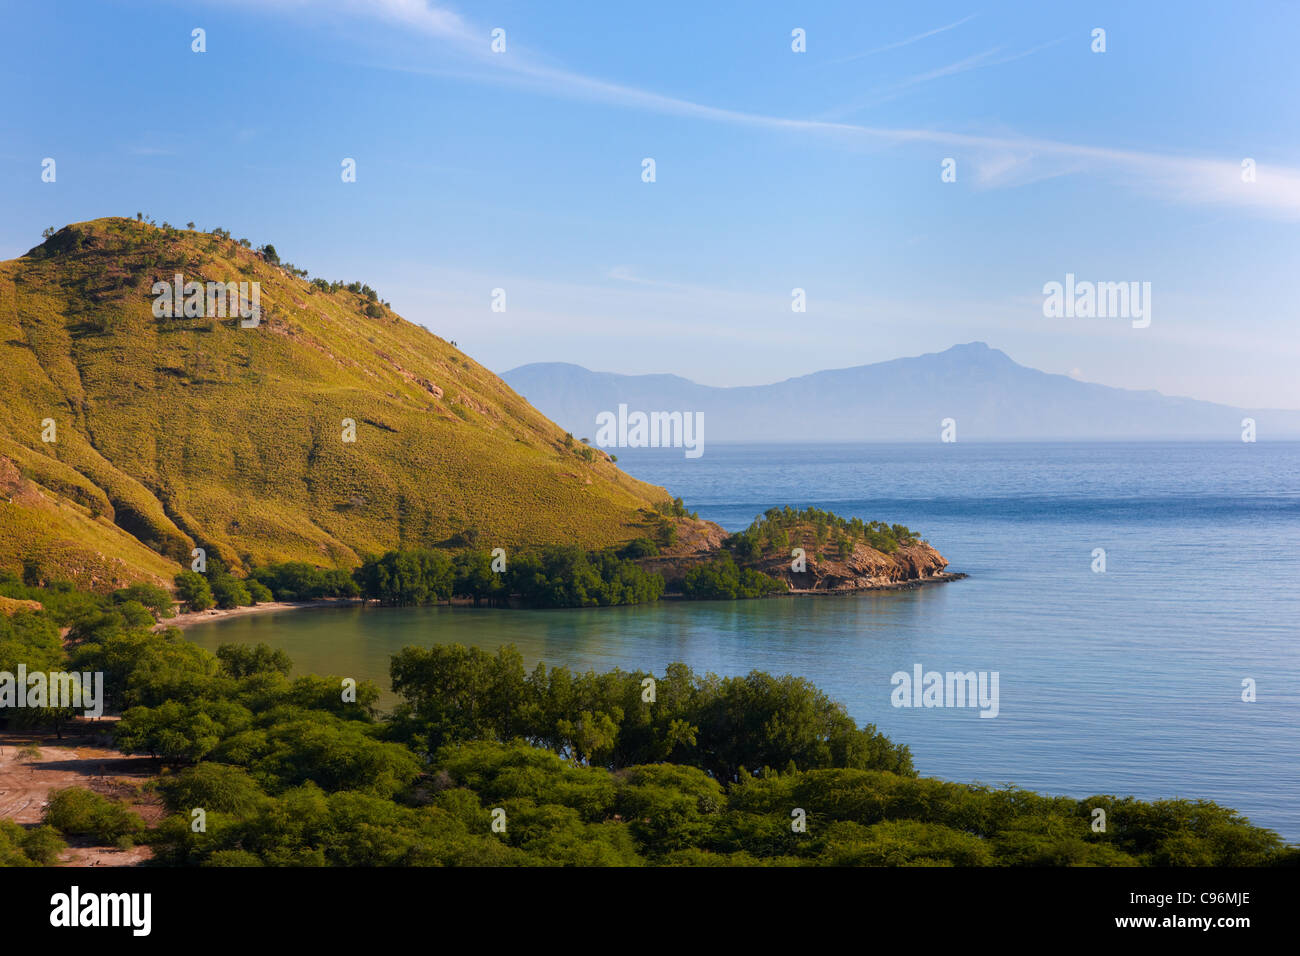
(775,170)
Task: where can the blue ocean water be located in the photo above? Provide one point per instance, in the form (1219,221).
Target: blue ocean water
(1126,682)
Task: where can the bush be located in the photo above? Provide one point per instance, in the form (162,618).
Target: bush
(230,592)
(407,577)
(639,548)
(674,509)
(721,579)
(78,812)
(245,660)
(193,590)
(233,858)
(774,529)
(299,581)
(177,732)
(21,847)
(213,787)
(43,845)
(565,576)
(156,599)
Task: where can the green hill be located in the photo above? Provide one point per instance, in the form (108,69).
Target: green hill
(177,432)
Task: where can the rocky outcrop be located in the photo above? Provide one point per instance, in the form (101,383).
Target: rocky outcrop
(694,542)
(865,568)
(824,570)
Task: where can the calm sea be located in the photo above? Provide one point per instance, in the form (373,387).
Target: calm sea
(1126,682)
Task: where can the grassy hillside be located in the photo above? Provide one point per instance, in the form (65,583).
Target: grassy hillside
(173,432)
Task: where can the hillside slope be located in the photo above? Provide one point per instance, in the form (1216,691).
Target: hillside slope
(177,432)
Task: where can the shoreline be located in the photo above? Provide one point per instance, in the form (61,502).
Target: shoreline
(191,618)
(942,577)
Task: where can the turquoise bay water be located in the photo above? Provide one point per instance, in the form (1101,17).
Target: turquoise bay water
(1126,682)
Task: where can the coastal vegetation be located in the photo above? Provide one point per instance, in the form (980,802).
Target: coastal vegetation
(331,450)
(552,577)
(818,531)
(548,577)
(484,762)
(722,579)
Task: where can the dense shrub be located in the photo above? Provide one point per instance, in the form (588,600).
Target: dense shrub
(550,577)
(778,528)
(78,812)
(299,581)
(639,548)
(156,599)
(454,694)
(722,579)
(569,577)
(229,592)
(406,577)
(40,846)
(193,590)
(213,787)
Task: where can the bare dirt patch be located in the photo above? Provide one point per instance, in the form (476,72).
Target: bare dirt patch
(80,759)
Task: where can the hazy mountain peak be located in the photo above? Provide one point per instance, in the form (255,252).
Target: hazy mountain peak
(987,393)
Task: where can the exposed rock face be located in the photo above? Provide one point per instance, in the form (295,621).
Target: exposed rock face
(696,542)
(694,537)
(11,480)
(864,569)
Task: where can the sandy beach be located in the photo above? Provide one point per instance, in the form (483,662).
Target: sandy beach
(190,618)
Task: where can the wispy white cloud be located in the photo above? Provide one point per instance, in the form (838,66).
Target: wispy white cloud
(627,274)
(1275,192)
(894,90)
(884,93)
(419,14)
(901,43)
(961,66)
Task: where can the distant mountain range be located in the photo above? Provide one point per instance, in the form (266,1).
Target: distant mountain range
(986,393)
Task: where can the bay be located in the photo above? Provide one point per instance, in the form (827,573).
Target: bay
(1124,682)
